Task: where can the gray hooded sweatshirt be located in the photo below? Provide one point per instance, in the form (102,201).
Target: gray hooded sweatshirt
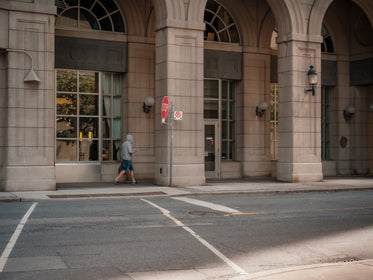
(127,151)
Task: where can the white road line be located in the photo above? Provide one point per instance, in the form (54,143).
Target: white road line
(9,247)
(199,238)
(209,205)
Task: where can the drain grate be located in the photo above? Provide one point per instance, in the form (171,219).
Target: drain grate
(104,195)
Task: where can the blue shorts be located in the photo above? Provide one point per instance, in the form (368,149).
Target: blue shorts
(125,165)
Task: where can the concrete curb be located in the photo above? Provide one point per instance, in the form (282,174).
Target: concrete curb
(102,190)
(299,271)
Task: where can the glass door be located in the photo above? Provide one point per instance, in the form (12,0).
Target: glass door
(212,161)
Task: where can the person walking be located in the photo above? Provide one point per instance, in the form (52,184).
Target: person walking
(126,164)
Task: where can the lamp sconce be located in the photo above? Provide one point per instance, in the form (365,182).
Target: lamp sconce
(31,76)
(312,80)
(349,112)
(261,108)
(371,107)
(148,103)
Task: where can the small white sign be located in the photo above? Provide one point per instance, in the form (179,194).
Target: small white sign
(178,115)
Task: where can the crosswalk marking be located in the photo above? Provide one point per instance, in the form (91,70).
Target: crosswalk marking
(9,247)
(199,238)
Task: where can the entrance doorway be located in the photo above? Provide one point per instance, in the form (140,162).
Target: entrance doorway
(212,162)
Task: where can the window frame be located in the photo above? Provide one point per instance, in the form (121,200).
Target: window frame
(79,138)
(231,129)
(225,28)
(105,5)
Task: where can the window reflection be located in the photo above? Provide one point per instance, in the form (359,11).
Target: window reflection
(220,26)
(79,120)
(66,127)
(211,109)
(67,80)
(211,89)
(88,82)
(88,104)
(69,19)
(66,104)
(106,11)
(88,127)
(66,150)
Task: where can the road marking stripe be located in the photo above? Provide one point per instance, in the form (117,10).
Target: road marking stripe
(205,204)
(199,238)
(299,211)
(9,247)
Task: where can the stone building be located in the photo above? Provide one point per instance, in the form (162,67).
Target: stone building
(75,76)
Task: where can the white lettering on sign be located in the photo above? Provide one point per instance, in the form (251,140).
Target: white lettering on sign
(164,109)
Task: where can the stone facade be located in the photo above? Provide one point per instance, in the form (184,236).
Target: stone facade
(165,51)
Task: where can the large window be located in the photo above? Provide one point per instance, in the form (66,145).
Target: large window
(219,104)
(88,116)
(220,26)
(327,45)
(101,15)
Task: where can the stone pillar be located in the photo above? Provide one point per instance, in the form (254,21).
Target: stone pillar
(343,154)
(360,131)
(141,84)
(179,75)
(27,108)
(370,130)
(299,148)
(255,154)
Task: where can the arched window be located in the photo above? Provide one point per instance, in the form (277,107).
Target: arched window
(89,14)
(327,45)
(220,26)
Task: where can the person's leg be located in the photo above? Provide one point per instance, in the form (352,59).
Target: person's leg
(120,175)
(133,176)
(125,165)
(132,173)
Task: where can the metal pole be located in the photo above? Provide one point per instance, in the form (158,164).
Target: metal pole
(172,140)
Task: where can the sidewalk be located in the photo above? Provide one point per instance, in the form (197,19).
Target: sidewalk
(248,186)
(362,270)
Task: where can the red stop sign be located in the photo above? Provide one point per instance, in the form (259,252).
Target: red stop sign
(164,108)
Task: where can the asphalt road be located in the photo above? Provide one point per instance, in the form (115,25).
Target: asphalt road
(193,238)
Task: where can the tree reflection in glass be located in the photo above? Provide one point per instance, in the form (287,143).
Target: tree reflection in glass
(88,104)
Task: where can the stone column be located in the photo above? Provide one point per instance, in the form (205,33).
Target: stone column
(141,84)
(343,141)
(27,108)
(299,148)
(370,130)
(360,131)
(255,154)
(179,75)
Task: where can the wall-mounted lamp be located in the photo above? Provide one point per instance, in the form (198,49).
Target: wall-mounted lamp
(312,80)
(371,107)
(31,76)
(261,108)
(349,112)
(148,103)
